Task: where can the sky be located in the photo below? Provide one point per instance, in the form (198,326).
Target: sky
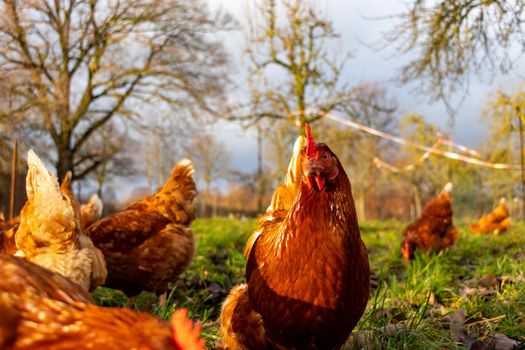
(352,19)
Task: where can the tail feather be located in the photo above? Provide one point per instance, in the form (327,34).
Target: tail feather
(242,328)
(39,179)
(181,181)
(185,164)
(91,211)
(96,202)
(448,187)
(174,200)
(283,196)
(47,218)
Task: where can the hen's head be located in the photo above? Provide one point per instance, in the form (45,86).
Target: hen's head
(320,165)
(407,250)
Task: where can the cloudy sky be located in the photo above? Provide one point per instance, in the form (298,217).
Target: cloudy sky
(352,20)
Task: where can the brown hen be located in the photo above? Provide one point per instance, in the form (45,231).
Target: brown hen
(434,230)
(307,273)
(42,310)
(149,244)
(43,323)
(496,221)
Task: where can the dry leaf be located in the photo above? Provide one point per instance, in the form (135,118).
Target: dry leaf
(502,342)
(457,329)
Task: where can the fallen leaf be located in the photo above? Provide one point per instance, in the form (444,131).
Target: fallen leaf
(502,342)
(468,292)
(394,329)
(393,314)
(368,340)
(458,332)
(488,281)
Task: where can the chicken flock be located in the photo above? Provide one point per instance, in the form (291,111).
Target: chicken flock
(307,270)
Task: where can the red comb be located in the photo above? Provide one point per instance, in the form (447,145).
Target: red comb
(311,147)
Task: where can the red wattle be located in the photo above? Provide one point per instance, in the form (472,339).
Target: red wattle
(319,180)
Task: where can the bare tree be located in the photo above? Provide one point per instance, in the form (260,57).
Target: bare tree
(114,147)
(211,158)
(502,117)
(74,65)
(357,150)
(431,175)
(293,68)
(450,39)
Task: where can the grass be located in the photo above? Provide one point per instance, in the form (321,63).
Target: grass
(410,305)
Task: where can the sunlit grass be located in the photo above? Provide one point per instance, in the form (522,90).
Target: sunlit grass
(417,297)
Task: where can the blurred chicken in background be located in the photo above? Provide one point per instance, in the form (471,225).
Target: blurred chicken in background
(497,221)
(149,244)
(434,230)
(91,211)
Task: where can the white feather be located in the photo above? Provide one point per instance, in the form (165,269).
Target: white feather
(448,187)
(293,174)
(39,179)
(97,203)
(294,168)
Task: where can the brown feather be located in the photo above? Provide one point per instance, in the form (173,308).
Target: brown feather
(7,236)
(19,276)
(44,323)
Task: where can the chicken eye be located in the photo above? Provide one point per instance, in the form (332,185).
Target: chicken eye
(324,156)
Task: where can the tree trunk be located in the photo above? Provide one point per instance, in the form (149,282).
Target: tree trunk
(260,181)
(101,179)
(417,201)
(360,206)
(64,162)
(207,181)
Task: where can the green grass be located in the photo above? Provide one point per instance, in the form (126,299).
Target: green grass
(418,298)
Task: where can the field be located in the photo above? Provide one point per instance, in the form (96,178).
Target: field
(412,306)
